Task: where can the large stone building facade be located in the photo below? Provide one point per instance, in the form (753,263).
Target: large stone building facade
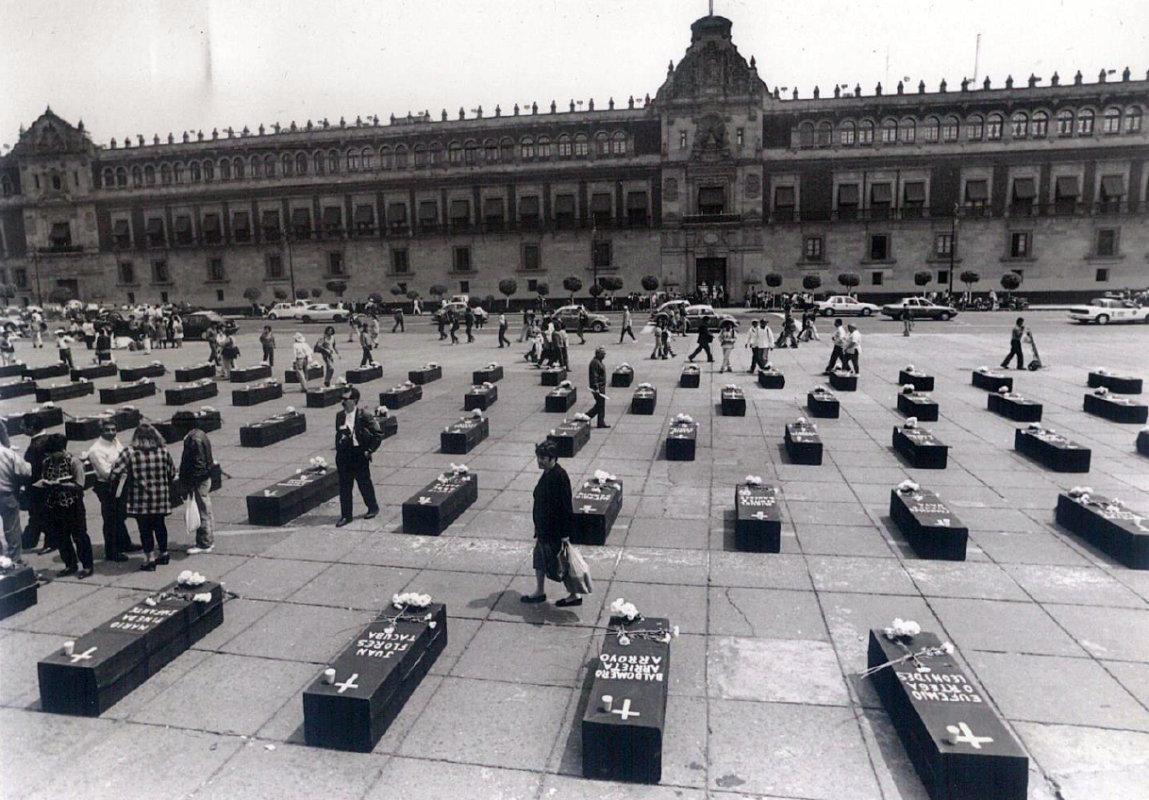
(716,179)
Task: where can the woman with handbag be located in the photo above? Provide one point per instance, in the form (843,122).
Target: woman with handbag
(326,348)
(148,468)
(554,520)
(62,487)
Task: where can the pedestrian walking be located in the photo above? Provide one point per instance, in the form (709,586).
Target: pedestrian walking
(365,345)
(195,479)
(454,327)
(469,320)
(754,343)
(838,353)
(301,354)
(357,437)
(553,517)
(441,322)
(597,381)
(267,344)
(327,350)
(705,337)
(627,325)
(228,353)
(907,321)
(1016,336)
(562,344)
(853,349)
(399,325)
(582,322)
(148,468)
(726,340)
(766,340)
(503,341)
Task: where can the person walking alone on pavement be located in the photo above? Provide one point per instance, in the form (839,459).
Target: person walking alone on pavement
(838,354)
(727,339)
(582,322)
(627,325)
(357,437)
(469,319)
(1016,336)
(399,325)
(907,321)
(195,478)
(597,381)
(301,354)
(553,515)
(704,340)
(267,344)
(503,340)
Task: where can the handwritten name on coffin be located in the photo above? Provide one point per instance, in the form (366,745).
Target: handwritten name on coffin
(381,645)
(141,619)
(619,667)
(938,687)
(682,431)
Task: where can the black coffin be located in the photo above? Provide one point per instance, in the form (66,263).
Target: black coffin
(123,392)
(622,377)
(402,395)
(273,429)
(16,369)
(46,416)
(126,417)
(843,381)
(560,399)
(690,377)
(643,401)
(1052,450)
(430,510)
(374,677)
(205,419)
(388,426)
(480,397)
(920,448)
(461,437)
(991,380)
(488,374)
(771,379)
(569,436)
(324,396)
(1117,531)
(371,372)
(1116,409)
(803,444)
(64,391)
(625,743)
(918,405)
(256,372)
(553,376)
(257,393)
(110,661)
(424,375)
(958,745)
(105,370)
(191,392)
(733,402)
(82,429)
(291,497)
(1143,443)
(596,506)
(919,380)
(18,590)
(1121,384)
(57,370)
(757,518)
(20,388)
(196,373)
(928,524)
(1014,406)
(681,441)
(314,373)
(821,403)
(156,370)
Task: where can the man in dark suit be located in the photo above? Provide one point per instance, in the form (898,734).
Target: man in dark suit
(554,520)
(357,436)
(598,387)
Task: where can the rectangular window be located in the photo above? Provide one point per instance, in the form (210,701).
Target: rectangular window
(60,236)
(636,214)
(219,295)
(397,217)
(332,220)
(977,192)
(155,231)
(784,202)
(881,200)
(400,261)
(1102,275)
(1019,244)
(532,258)
(1067,189)
(943,244)
(493,214)
(241,227)
(1112,192)
(879,247)
(121,233)
(600,254)
(273,266)
(215,269)
(20,278)
(131,298)
(1024,195)
(365,219)
(1107,242)
(301,223)
(848,201)
(712,200)
(876,278)
(127,272)
(914,194)
(532,285)
(464,287)
(462,259)
(163,297)
(183,227)
(565,216)
(812,248)
(943,277)
(160,273)
(212,231)
(269,222)
(336,266)
(428,215)
(529,215)
(600,208)
(460,214)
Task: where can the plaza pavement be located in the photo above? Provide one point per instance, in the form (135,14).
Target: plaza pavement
(764,695)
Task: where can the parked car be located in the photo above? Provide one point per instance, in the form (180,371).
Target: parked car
(287,310)
(323,312)
(919,308)
(842,305)
(199,321)
(569,315)
(699,315)
(459,308)
(1104,310)
(670,308)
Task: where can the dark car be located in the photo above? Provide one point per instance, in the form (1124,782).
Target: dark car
(698,315)
(199,321)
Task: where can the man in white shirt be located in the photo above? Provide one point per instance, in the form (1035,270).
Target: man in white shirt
(13,469)
(103,455)
(754,342)
(839,352)
(853,349)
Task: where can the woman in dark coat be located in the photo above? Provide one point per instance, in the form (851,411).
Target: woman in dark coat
(61,485)
(554,518)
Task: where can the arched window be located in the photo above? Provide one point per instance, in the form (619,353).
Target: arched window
(420,155)
(1039,125)
(121,177)
(352,160)
(401,157)
(993,127)
(138,176)
(806,134)
(1065,122)
(178,172)
(209,171)
(491,151)
(1112,120)
(975,128)
(319,163)
(618,142)
(149,175)
(951,128)
(471,151)
(165,175)
(1018,125)
(825,134)
(866,132)
(931,132)
(386,158)
(256,167)
(601,144)
(436,152)
(907,130)
(1133,119)
(544,147)
(224,169)
(109,178)
(527,148)
(333,161)
(455,153)
(848,133)
(367,159)
(301,163)
(581,145)
(1085,122)
(269,165)
(195,174)
(237,168)
(889,131)
(287,165)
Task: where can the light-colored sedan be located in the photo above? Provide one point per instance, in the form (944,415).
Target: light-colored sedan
(596,323)
(1104,310)
(841,305)
(699,315)
(323,312)
(919,308)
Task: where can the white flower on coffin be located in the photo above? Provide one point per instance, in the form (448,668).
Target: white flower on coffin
(1101,371)
(581,417)
(623,639)
(430,365)
(565,385)
(319,462)
(908,388)
(202,597)
(207,409)
(1034,426)
(902,628)
(382,411)
(150,601)
(907,486)
(492,365)
(460,469)
(290,409)
(911,422)
(983,369)
(1101,392)
(732,386)
(803,421)
(602,476)
(341,381)
(947,648)
(623,366)
(1003,389)
(84,380)
(411,600)
(752,480)
(5,562)
(1079,491)
(685,419)
(487,384)
(156,363)
(49,404)
(646,386)
(189,578)
(621,608)
(909,367)
(477,413)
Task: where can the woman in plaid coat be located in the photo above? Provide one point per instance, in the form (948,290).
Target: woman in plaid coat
(148,468)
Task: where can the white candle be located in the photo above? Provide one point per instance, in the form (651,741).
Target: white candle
(607,702)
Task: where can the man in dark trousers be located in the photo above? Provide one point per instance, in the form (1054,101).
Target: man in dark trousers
(839,351)
(454,320)
(1015,338)
(554,520)
(442,323)
(503,340)
(705,337)
(469,319)
(583,319)
(195,479)
(597,380)
(627,324)
(357,436)
(399,322)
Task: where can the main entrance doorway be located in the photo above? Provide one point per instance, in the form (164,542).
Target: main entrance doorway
(710,272)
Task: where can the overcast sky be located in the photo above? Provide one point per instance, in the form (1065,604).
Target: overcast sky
(153,66)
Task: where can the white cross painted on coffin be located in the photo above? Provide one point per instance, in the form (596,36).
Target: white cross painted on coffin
(351,684)
(962,734)
(625,711)
(424,501)
(84,656)
(587,509)
(760,515)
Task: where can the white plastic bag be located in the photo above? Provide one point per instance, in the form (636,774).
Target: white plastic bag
(577,577)
(191,515)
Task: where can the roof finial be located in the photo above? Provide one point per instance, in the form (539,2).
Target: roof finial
(711,14)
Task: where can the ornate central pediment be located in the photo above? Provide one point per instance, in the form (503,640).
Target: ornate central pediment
(712,68)
(52,136)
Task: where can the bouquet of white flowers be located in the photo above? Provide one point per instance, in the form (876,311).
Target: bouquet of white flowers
(908,487)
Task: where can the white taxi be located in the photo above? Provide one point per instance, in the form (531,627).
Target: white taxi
(1104,310)
(841,305)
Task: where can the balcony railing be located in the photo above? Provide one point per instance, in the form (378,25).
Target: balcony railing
(711,219)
